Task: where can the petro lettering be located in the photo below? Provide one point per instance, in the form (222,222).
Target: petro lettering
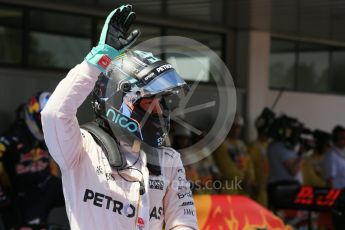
(163,68)
(108,203)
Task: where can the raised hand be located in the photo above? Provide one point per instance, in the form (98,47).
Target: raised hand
(113,40)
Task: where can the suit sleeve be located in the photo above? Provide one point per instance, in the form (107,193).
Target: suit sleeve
(179,208)
(60,125)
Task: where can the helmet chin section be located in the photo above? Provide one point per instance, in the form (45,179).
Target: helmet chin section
(154,128)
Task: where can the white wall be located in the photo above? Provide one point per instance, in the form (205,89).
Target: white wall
(253,50)
(258,70)
(316,111)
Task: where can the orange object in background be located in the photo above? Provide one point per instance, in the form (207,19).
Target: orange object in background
(235,212)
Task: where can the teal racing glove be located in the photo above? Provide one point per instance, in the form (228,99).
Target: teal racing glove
(113,41)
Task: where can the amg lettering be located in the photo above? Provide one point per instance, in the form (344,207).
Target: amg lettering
(106,202)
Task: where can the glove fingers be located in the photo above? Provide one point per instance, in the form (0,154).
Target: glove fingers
(116,16)
(130,7)
(119,13)
(129,21)
(125,7)
(124,14)
(133,36)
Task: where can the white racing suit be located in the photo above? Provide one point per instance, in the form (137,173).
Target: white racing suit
(96,196)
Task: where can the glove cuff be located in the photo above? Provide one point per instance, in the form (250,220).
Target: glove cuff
(101,56)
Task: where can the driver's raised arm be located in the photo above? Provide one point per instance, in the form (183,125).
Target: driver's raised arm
(60,126)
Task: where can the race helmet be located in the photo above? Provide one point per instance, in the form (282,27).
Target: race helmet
(135,96)
(32,113)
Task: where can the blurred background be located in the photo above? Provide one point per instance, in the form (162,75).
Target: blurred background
(288,56)
(266,44)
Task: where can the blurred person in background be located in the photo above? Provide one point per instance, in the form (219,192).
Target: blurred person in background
(313,166)
(313,172)
(285,162)
(258,154)
(335,169)
(234,162)
(335,159)
(28,173)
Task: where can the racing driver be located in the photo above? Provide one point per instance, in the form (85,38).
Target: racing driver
(116,173)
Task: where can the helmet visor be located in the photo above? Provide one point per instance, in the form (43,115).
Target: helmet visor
(164,83)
